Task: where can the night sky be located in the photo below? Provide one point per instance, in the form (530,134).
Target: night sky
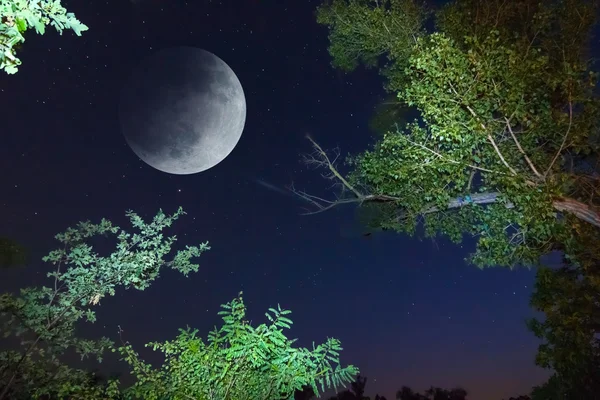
(408,311)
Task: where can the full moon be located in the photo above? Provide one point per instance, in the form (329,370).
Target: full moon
(183,110)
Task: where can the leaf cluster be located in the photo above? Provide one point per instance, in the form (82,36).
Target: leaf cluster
(44,319)
(17,16)
(237,361)
(372,32)
(497,115)
(508,133)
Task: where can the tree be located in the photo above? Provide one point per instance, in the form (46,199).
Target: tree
(570,299)
(356,392)
(44,319)
(238,361)
(433,393)
(17,16)
(406,393)
(500,115)
(509,123)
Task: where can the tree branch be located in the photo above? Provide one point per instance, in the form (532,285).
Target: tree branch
(535,171)
(324,204)
(323,159)
(572,206)
(491,140)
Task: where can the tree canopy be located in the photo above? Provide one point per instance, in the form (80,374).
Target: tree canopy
(505,117)
(237,361)
(505,148)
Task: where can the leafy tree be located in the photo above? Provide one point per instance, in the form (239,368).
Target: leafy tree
(238,361)
(17,16)
(44,319)
(500,115)
(570,299)
(509,126)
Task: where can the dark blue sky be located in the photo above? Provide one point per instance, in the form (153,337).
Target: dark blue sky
(408,312)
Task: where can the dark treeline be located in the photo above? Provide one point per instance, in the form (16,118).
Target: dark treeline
(357,392)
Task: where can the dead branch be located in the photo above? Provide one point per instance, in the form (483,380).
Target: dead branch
(320,158)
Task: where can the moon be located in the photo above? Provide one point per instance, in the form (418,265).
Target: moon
(183,110)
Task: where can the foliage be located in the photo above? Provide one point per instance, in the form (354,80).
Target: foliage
(237,361)
(509,118)
(360,33)
(17,16)
(569,297)
(44,319)
(477,114)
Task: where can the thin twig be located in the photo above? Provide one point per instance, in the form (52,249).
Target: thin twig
(332,168)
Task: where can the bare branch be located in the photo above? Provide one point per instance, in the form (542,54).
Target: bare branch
(582,211)
(320,157)
(324,204)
